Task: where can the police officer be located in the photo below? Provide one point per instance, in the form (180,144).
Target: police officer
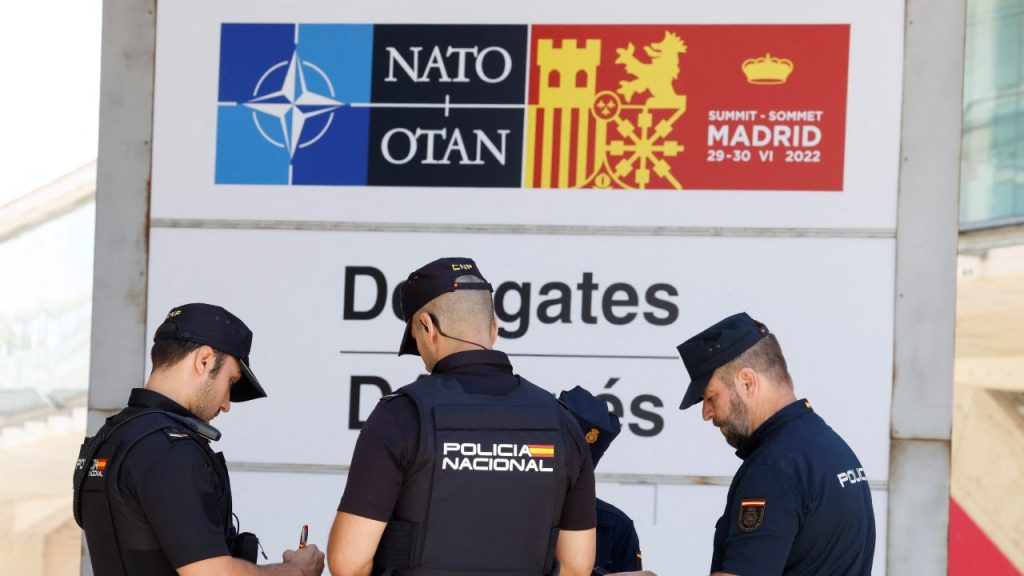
(799,504)
(150,493)
(472,469)
(618,546)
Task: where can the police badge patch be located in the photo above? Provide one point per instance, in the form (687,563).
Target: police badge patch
(751,513)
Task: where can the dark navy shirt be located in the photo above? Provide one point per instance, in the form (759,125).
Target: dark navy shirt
(618,546)
(798,505)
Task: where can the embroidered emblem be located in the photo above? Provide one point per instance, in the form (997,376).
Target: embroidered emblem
(751,513)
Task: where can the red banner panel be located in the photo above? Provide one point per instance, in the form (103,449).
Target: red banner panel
(712,107)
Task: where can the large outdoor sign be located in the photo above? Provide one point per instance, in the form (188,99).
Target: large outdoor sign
(616,106)
(624,174)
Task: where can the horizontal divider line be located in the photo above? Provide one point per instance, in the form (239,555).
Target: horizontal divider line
(533,229)
(533,355)
(620,478)
(432,105)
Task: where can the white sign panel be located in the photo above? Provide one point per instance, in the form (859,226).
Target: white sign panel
(396,112)
(320,306)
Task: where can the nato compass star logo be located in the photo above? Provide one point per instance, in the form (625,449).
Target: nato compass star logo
(377,105)
(292,103)
(284,110)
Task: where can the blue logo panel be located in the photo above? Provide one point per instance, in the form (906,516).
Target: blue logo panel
(292,104)
(243,155)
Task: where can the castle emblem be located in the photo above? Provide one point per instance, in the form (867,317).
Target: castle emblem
(582,137)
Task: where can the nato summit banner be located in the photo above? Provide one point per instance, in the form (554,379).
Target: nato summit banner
(594,106)
(624,174)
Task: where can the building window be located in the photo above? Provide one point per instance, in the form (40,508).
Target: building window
(992,153)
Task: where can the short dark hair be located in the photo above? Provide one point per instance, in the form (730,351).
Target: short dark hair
(764,357)
(464,310)
(169,352)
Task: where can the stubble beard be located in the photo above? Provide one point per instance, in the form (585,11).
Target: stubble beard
(734,427)
(203,402)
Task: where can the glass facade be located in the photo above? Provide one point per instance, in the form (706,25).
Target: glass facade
(46,305)
(992,165)
(45,319)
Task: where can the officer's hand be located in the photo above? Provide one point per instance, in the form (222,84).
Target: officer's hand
(309,560)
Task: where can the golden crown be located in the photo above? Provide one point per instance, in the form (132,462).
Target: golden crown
(767,69)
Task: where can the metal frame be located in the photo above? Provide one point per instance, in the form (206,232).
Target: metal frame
(926,245)
(122,209)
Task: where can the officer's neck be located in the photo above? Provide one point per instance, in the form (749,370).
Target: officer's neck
(170,383)
(776,398)
(454,348)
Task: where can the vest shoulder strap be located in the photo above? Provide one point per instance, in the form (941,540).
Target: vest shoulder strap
(144,423)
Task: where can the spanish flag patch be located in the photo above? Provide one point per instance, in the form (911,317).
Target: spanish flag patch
(542,450)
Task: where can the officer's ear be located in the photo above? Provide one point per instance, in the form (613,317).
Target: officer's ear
(747,382)
(427,323)
(204,359)
(494,330)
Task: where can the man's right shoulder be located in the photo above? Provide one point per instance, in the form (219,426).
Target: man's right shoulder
(154,438)
(396,410)
(397,400)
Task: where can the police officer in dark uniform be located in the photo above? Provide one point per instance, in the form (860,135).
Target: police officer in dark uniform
(150,493)
(800,502)
(618,546)
(472,469)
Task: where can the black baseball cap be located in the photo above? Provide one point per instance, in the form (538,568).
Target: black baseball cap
(600,426)
(221,330)
(428,283)
(715,347)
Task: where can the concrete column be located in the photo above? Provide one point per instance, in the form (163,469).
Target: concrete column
(926,246)
(122,208)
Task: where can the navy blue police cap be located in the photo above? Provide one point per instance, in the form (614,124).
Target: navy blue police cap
(429,282)
(221,330)
(600,426)
(715,347)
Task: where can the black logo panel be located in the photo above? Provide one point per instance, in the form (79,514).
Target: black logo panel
(460,147)
(448,105)
(464,64)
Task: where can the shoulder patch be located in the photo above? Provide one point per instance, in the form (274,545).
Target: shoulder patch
(751,513)
(390,397)
(175,433)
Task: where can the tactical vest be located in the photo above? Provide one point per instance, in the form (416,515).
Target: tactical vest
(486,491)
(119,542)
